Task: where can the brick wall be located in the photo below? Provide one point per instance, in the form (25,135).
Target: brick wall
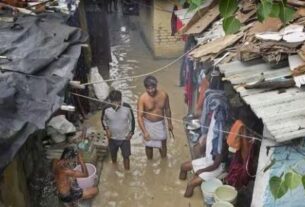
(165,45)
(155,26)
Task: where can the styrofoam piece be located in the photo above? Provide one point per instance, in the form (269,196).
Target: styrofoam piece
(295,61)
(67,108)
(294,37)
(275,36)
(61,125)
(291,29)
(101,88)
(299,80)
(76,84)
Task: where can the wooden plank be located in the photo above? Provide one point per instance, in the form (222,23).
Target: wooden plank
(205,21)
(245,17)
(268,25)
(198,14)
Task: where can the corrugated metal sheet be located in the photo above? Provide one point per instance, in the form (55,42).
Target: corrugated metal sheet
(282,113)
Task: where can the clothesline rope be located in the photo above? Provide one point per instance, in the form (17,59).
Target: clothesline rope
(173,119)
(145,74)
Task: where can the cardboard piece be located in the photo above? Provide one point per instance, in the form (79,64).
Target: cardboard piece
(216,46)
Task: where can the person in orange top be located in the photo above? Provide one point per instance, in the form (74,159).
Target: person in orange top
(241,144)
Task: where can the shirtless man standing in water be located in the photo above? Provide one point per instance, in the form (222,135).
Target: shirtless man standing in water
(153,105)
(65,177)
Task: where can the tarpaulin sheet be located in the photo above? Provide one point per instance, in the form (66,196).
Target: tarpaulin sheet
(45,49)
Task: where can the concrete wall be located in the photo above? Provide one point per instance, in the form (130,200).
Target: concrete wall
(146,22)
(28,180)
(262,178)
(155,27)
(13,187)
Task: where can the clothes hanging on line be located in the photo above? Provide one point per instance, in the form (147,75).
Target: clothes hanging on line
(189,84)
(214,139)
(189,44)
(202,89)
(241,166)
(213,147)
(174,20)
(215,101)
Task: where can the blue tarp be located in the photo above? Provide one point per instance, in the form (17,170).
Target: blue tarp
(42,53)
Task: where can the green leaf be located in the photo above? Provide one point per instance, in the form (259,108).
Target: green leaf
(277,187)
(227,8)
(286,13)
(197,2)
(292,180)
(264,10)
(192,7)
(303,181)
(269,166)
(275,11)
(231,25)
(181,2)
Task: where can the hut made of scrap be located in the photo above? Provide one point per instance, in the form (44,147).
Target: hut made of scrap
(39,55)
(264,62)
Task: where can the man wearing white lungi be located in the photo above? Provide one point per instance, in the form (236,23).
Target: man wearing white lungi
(153,109)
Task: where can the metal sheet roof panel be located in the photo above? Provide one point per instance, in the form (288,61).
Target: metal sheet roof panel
(283,113)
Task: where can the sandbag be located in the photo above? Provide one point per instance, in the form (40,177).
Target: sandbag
(101,88)
(61,125)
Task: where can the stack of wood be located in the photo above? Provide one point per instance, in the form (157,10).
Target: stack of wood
(16,3)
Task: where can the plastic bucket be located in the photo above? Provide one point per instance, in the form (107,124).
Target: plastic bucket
(222,204)
(208,188)
(225,193)
(88,181)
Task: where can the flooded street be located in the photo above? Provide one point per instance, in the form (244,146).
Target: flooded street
(148,183)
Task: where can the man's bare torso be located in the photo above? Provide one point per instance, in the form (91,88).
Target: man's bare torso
(154,106)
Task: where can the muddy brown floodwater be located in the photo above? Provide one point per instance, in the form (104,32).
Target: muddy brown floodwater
(148,183)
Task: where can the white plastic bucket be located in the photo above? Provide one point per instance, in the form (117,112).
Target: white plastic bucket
(88,181)
(222,204)
(208,188)
(225,193)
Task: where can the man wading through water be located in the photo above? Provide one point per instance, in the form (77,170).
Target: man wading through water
(153,105)
(119,124)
